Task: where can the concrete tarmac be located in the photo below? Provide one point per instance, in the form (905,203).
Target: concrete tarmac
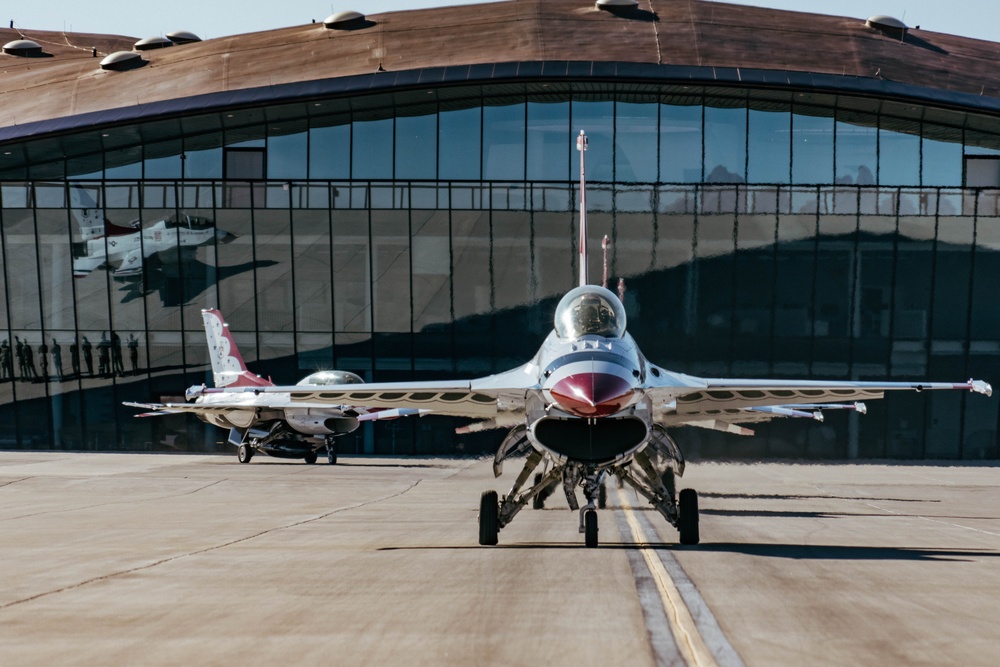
(193,559)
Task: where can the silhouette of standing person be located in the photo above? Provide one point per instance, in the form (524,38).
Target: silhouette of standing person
(74,357)
(29,362)
(88,356)
(43,356)
(57,358)
(5,368)
(19,348)
(117,365)
(133,353)
(104,356)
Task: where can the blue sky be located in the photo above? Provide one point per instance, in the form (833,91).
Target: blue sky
(972,18)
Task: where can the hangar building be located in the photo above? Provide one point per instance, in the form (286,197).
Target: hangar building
(785,194)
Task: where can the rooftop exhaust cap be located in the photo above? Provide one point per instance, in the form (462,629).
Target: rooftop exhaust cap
(183,37)
(888,25)
(152,43)
(617,6)
(23,48)
(347,20)
(120,61)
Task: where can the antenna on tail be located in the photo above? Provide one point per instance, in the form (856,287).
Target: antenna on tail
(581,145)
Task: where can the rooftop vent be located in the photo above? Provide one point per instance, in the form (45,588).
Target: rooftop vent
(348,20)
(152,43)
(617,5)
(23,47)
(888,25)
(120,61)
(183,37)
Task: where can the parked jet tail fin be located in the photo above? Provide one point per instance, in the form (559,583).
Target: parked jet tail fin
(228,368)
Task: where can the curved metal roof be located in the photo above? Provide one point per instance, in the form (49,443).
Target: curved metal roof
(674,34)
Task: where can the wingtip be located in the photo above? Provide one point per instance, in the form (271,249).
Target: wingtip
(980,387)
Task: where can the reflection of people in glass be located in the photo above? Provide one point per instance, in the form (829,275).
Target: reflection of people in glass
(57,358)
(117,365)
(74,357)
(43,356)
(6,369)
(19,347)
(88,356)
(133,353)
(104,355)
(30,372)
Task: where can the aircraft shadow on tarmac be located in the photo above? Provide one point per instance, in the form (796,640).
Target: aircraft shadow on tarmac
(791,551)
(780,496)
(847,552)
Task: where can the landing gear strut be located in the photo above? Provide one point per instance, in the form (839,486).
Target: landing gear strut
(331,450)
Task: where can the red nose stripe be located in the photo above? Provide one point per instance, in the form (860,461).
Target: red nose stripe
(592,394)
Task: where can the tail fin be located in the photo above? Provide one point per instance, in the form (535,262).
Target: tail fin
(228,368)
(581,145)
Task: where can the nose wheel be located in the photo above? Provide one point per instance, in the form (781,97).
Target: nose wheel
(590,528)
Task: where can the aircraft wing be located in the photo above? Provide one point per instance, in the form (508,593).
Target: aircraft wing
(679,396)
(735,420)
(482,397)
(161,409)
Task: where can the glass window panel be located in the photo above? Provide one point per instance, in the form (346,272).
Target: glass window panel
(330,152)
(55,269)
(636,130)
(549,142)
(312,260)
(725,144)
(163,160)
(460,142)
(273,266)
(981,143)
(244,163)
(597,119)
(203,164)
(21,265)
(857,149)
(812,149)
(391,271)
(371,149)
(941,156)
(503,142)
(161,279)
(986,281)
(769,151)
(431,271)
(680,143)
(899,155)
(351,272)
(287,155)
(416,146)
(125,163)
(236,271)
(951,279)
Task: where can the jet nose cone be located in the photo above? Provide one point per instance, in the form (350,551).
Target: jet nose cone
(592,394)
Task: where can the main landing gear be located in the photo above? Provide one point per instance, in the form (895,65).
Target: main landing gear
(331,450)
(681,511)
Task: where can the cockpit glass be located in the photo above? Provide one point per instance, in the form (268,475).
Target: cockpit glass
(590,311)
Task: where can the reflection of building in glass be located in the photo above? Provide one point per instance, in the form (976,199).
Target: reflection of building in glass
(773,208)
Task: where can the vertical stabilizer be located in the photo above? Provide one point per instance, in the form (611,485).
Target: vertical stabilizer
(581,145)
(228,368)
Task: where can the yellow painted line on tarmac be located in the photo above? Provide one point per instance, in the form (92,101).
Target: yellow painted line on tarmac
(689,641)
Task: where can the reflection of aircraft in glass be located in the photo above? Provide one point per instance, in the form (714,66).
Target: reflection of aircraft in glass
(125,248)
(588,404)
(267,423)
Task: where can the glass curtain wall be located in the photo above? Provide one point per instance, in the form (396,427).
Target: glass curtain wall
(409,244)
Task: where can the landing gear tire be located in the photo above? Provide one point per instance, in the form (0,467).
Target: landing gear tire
(687,521)
(489,518)
(590,528)
(602,497)
(311,458)
(331,457)
(244,454)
